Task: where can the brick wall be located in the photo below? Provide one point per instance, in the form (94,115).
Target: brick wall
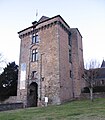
(77,60)
(50,63)
(65,66)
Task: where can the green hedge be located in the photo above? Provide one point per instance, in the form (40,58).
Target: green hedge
(95,89)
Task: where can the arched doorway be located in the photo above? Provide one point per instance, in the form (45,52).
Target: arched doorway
(33,95)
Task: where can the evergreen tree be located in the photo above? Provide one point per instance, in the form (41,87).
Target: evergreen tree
(8,81)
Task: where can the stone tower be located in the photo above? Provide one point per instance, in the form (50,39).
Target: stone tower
(51,62)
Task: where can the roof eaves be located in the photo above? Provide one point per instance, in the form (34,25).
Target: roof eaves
(43,22)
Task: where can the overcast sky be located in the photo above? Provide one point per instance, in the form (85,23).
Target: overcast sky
(86,15)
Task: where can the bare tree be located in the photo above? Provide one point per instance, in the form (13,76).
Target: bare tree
(90,75)
(2,60)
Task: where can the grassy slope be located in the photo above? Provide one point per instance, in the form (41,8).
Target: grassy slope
(76,110)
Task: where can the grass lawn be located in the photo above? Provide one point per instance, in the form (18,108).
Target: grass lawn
(75,110)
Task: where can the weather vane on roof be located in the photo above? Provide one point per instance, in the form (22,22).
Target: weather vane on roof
(36,14)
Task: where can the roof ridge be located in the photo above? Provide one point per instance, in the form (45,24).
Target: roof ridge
(103,64)
(43,18)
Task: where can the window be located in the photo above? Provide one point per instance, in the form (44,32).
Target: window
(69,39)
(34,74)
(34,55)
(70,74)
(70,56)
(102,82)
(35,39)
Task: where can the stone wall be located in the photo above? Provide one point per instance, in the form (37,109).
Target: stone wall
(77,61)
(66,92)
(10,106)
(95,95)
(50,64)
(11,99)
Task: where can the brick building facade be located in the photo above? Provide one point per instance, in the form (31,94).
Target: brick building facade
(51,62)
(100,75)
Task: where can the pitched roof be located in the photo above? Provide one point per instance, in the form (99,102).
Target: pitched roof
(101,73)
(43,18)
(103,64)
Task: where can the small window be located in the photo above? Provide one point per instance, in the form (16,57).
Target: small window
(35,39)
(70,56)
(34,74)
(70,74)
(102,82)
(69,39)
(34,55)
